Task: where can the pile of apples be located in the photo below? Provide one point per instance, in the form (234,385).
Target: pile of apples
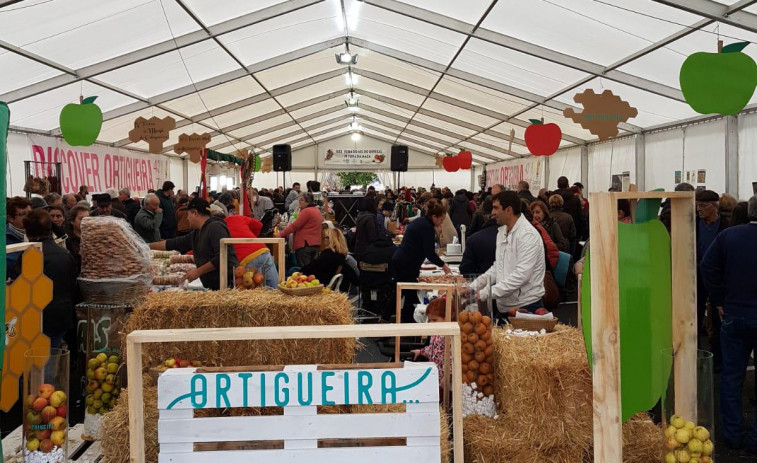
(299,280)
(103,384)
(247,278)
(46,413)
(687,443)
(478,352)
(176,362)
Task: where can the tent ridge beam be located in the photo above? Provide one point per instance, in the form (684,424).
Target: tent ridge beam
(717,11)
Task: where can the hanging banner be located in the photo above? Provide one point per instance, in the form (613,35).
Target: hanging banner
(352,156)
(510,173)
(98,167)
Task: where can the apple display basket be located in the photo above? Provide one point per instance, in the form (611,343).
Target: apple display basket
(529,324)
(115,291)
(104,379)
(45,406)
(309,291)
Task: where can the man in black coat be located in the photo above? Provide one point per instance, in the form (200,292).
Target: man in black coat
(524,191)
(60,267)
(480,249)
(168,226)
(571,205)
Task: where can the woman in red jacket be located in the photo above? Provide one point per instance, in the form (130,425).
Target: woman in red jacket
(306,230)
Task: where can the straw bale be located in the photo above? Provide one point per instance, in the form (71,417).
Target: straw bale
(488,441)
(245,308)
(544,389)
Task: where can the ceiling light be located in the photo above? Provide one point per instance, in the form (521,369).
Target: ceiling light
(346,58)
(355,136)
(354,109)
(354,125)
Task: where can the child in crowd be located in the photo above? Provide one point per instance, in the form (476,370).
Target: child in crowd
(434,352)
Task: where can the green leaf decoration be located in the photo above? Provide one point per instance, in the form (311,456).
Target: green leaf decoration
(256,167)
(89,100)
(734,47)
(535,121)
(645,298)
(648,209)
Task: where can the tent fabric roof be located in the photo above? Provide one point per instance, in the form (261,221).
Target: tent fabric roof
(434,74)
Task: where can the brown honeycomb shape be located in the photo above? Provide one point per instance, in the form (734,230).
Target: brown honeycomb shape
(602,113)
(25,299)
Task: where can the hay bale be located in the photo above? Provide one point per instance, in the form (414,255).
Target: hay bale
(221,309)
(544,389)
(488,441)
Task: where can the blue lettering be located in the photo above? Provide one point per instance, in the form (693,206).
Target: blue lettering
(201,392)
(388,387)
(277,389)
(325,387)
(301,389)
(245,377)
(222,389)
(346,387)
(364,383)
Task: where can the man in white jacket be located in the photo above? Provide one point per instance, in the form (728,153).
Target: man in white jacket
(517,276)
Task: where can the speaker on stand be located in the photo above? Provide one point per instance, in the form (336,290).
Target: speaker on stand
(398,161)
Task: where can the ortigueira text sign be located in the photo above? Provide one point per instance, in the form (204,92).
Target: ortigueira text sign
(297,386)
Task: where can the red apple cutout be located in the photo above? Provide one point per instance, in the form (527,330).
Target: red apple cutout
(451,164)
(464,159)
(542,139)
(80,124)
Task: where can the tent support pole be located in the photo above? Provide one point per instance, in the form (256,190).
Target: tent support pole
(732,155)
(641,162)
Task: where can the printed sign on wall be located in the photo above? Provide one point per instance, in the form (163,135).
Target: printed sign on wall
(352,156)
(510,173)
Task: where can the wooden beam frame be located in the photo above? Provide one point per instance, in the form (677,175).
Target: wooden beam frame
(135,340)
(605,330)
(21,247)
(279,256)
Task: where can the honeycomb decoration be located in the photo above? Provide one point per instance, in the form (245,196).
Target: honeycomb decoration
(25,299)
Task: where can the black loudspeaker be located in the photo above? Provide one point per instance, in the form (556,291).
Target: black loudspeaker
(399,158)
(282,158)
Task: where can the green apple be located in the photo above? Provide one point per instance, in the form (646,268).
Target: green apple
(721,83)
(80,124)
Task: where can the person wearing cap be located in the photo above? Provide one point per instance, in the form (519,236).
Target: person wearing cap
(104,207)
(708,225)
(168,226)
(16,209)
(38,203)
(148,219)
(205,242)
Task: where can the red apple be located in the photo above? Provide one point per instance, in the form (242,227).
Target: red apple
(46,446)
(451,164)
(58,423)
(542,139)
(29,401)
(45,391)
(62,411)
(49,413)
(43,434)
(184,363)
(465,159)
(541,311)
(39,404)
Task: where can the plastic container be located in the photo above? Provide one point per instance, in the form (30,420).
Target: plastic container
(46,401)
(685,436)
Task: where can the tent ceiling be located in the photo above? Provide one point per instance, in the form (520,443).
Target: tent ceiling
(435,74)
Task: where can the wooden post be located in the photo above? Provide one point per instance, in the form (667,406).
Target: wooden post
(136,401)
(223,272)
(457,399)
(605,333)
(446,372)
(684,295)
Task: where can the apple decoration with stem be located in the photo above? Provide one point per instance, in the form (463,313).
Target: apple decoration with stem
(80,124)
(464,158)
(721,83)
(542,139)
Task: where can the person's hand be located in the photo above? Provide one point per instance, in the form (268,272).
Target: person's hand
(416,353)
(720,312)
(446,269)
(191,275)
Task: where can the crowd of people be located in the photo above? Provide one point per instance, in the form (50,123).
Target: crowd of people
(524,250)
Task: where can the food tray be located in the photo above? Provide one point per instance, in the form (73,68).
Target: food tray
(301,291)
(530,324)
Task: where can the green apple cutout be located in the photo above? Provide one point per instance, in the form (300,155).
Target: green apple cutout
(721,83)
(644,277)
(80,124)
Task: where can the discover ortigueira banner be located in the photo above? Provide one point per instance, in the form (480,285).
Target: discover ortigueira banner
(99,167)
(186,389)
(510,173)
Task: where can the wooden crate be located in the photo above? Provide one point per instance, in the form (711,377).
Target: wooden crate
(279,257)
(79,450)
(135,340)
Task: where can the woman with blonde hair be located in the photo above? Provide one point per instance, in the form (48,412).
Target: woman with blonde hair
(332,256)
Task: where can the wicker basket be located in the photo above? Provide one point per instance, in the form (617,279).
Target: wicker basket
(529,324)
(309,291)
(126,291)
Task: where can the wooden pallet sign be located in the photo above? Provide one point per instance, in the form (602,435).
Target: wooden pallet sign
(300,390)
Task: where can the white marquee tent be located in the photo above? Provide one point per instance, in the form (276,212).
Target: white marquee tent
(431,74)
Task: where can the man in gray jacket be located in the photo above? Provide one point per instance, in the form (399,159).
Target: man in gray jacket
(148,219)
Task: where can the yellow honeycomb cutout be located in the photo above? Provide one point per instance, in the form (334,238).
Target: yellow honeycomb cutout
(25,299)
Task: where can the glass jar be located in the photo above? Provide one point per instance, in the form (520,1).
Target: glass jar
(46,401)
(688,434)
